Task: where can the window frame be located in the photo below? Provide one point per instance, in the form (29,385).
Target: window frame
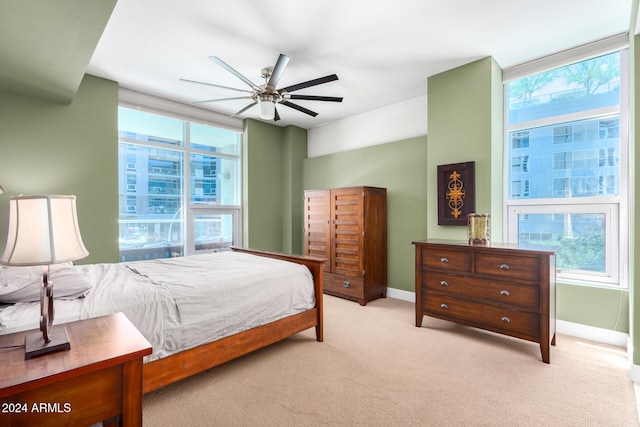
(616,208)
(613,267)
(157,106)
(206,208)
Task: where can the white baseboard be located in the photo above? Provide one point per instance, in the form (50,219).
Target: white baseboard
(401,295)
(634,375)
(592,333)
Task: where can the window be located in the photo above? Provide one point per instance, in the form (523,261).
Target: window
(566,166)
(179,186)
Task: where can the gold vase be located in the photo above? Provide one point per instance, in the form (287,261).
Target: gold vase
(478,228)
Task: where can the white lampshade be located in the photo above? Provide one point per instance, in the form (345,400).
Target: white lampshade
(43,230)
(267,110)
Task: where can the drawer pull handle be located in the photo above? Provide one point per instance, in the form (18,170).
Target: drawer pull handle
(346,284)
(443,283)
(444,260)
(445,306)
(505,293)
(506,320)
(504,266)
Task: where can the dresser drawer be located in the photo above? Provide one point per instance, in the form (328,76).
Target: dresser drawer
(526,268)
(447,260)
(485,289)
(344,285)
(481,315)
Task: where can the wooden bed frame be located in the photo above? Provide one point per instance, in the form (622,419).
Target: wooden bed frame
(161,372)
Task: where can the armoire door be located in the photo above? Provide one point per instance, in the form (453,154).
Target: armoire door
(317,214)
(347,231)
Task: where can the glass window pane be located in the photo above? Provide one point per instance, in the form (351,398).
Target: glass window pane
(215,140)
(560,165)
(586,85)
(155,204)
(213,231)
(214,180)
(205,181)
(580,237)
(143,126)
(151,212)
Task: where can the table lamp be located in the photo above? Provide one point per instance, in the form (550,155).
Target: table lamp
(43,230)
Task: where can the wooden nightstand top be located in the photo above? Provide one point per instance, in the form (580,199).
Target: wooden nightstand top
(96,344)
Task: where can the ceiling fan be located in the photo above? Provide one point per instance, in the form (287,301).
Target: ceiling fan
(267,95)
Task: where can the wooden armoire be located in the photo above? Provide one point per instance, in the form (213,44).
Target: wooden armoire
(348,226)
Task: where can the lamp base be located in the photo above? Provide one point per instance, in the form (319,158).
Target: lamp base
(34,344)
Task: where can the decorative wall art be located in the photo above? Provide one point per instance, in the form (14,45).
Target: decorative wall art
(456,193)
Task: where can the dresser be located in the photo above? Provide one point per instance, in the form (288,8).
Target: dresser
(98,380)
(348,227)
(508,289)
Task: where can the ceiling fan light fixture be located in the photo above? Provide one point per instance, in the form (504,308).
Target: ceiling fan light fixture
(268,94)
(267,107)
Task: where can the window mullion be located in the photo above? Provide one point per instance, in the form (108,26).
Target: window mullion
(189,240)
(566,118)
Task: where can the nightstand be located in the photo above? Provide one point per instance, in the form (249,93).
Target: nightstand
(99,379)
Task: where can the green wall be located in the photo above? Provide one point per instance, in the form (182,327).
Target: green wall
(465,124)
(51,148)
(600,307)
(400,168)
(465,118)
(272,164)
(295,151)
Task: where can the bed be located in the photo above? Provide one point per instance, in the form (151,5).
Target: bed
(197,311)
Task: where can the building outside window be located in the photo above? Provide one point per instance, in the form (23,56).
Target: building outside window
(179,186)
(566,167)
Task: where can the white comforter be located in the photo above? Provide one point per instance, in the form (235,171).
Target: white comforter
(179,303)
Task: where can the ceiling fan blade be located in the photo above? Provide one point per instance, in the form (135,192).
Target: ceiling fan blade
(214,85)
(276,116)
(225,99)
(316,98)
(245,109)
(229,68)
(278,70)
(299,108)
(314,82)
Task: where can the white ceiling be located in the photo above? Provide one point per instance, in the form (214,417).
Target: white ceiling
(382,51)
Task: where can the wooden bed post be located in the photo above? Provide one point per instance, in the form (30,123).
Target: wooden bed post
(316,266)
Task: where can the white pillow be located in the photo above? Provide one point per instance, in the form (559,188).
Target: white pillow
(22,284)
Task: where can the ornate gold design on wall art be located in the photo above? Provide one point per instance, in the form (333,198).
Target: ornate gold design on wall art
(456,193)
